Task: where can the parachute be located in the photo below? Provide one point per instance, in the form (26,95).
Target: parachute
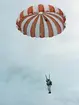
(41,21)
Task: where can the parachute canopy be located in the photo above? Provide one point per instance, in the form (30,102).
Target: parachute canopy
(41,21)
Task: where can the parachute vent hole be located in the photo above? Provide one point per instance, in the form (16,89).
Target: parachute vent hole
(46,20)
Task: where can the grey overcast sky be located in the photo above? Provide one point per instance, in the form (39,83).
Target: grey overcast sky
(24,61)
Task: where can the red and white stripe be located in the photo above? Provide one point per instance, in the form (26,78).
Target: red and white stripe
(41,21)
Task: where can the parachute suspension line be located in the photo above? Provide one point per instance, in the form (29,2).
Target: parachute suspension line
(49,76)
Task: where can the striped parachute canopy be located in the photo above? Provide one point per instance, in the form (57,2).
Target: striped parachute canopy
(41,21)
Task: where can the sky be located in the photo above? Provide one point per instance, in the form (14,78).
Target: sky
(24,61)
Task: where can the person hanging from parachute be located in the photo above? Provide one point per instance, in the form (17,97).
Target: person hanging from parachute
(42,21)
(49,84)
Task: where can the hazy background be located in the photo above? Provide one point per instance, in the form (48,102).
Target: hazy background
(24,61)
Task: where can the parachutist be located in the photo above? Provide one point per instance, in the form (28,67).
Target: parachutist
(49,84)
